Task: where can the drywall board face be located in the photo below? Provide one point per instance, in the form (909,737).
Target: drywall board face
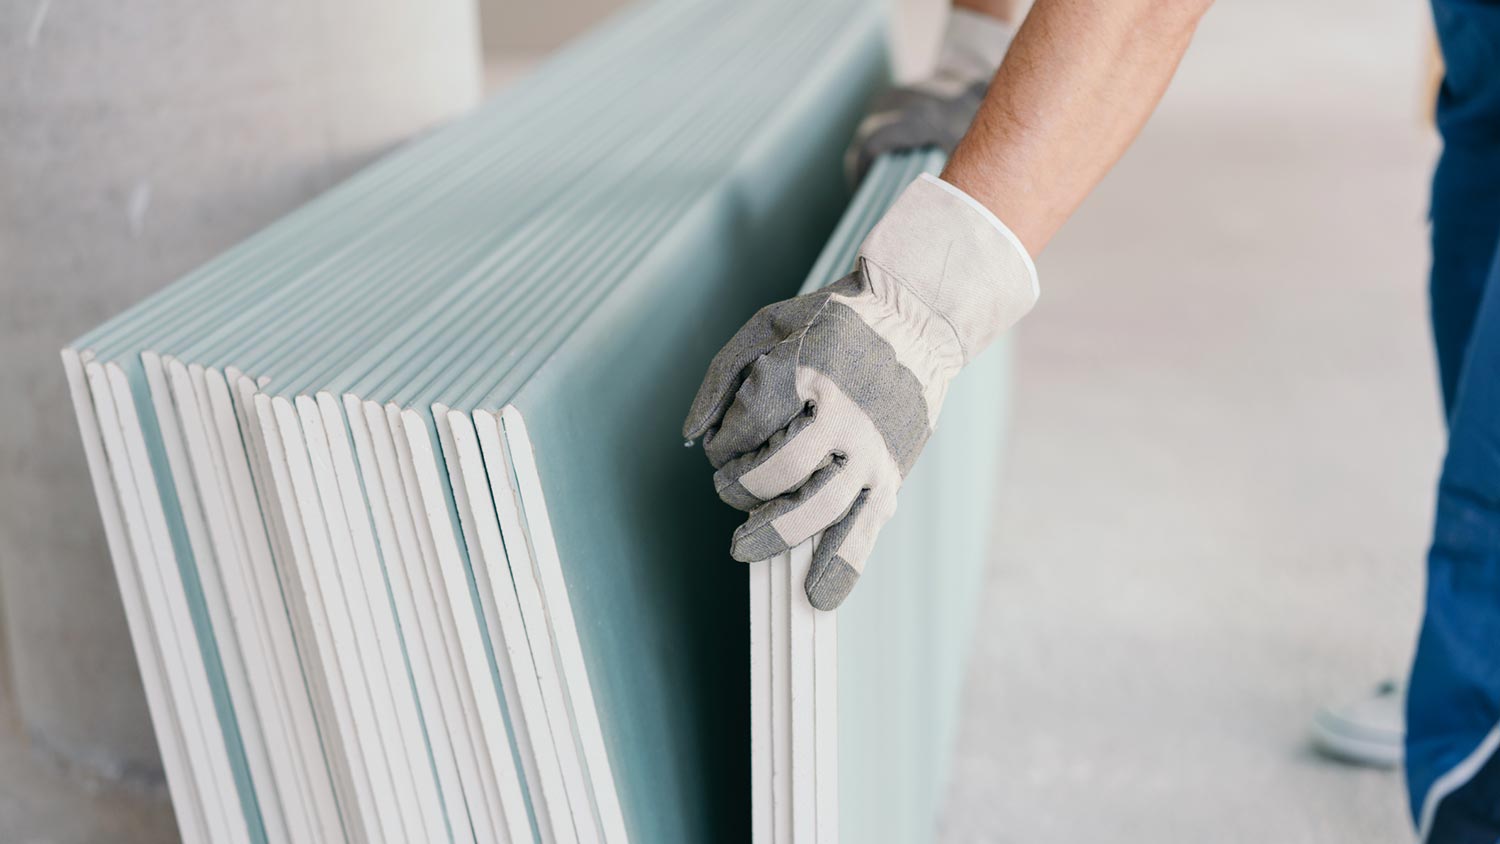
(472,194)
(969,461)
(904,630)
(665,167)
(604,415)
(797,789)
(319,482)
(397,183)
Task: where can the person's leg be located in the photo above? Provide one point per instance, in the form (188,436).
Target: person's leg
(1465,210)
(1453,699)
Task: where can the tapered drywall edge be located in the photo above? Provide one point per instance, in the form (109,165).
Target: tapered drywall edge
(330,640)
(328,742)
(240,578)
(826,693)
(497,739)
(540,637)
(238,451)
(164,719)
(193,475)
(471,675)
(418,648)
(223,639)
(802,693)
(163,589)
(782,801)
(762,820)
(570,652)
(503,626)
(354,545)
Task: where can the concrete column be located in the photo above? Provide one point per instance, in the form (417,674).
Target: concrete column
(137,140)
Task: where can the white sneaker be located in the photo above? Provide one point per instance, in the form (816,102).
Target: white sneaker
(1368,731)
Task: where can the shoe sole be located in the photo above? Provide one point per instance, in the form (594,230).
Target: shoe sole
(1360,751)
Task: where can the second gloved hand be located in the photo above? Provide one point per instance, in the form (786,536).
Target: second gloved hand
(817,408)
(936,111)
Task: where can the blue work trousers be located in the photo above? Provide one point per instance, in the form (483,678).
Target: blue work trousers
(1453,700)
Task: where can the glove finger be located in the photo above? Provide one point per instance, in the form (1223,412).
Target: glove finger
(840,555)
(766,402)
(777,525)
(783,464)
(908,119)
(864,149)
(727,372)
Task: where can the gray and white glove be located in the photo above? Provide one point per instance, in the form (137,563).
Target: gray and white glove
(817,408)
(938,110)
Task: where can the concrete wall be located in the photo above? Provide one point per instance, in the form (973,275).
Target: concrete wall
(526,27)
(137,140)
(518,30)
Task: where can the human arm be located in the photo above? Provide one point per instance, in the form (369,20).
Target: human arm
(815,411)
(1078,83)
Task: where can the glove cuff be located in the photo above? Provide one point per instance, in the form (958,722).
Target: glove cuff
(955,257)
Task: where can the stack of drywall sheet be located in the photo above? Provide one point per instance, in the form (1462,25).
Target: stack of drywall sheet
(852,712)
(321,457)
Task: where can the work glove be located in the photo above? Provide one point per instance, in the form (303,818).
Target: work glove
(815,411)
(937,111)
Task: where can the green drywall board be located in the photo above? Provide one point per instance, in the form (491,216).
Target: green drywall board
(643,540)
(768,220)
(192,585)
(904,632)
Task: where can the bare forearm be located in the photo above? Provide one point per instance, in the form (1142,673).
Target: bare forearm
(1078,83)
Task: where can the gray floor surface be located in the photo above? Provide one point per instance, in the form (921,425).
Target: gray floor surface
(1221,481)
(41,802)
(1220,485)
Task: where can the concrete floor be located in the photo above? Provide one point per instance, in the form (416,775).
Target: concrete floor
(41,802)
(1222,476)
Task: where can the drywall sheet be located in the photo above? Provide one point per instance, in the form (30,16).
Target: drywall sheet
(642,540)
(326,458)
(853,712)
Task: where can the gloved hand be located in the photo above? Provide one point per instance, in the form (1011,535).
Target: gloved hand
(817,408)
(938,110)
